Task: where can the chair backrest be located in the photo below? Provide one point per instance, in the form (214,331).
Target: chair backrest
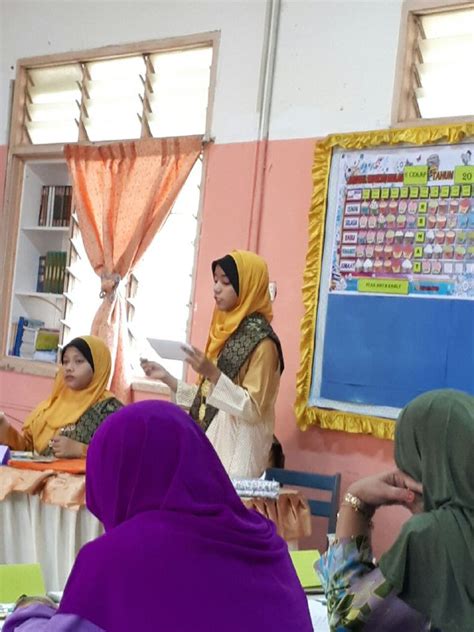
(325,482)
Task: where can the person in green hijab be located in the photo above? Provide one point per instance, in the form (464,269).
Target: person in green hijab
(425,581)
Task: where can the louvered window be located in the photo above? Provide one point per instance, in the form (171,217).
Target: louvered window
(444,69)
(151,94)
(436,81)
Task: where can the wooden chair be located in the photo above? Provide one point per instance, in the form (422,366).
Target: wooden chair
(325,482)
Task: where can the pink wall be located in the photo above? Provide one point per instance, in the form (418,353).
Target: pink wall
(229,191)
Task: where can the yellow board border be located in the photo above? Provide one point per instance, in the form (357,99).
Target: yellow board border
(334,419)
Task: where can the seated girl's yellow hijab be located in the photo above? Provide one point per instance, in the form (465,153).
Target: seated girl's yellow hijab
(254,296)
(65,405)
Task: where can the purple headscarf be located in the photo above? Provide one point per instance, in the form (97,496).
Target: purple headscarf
(181,553)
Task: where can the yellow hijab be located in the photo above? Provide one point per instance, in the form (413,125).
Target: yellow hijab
(66,405)
(253,297)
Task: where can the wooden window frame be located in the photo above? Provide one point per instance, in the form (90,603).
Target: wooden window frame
(403,107)
(21,152)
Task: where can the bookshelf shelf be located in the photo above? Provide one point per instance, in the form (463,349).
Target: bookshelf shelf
(41,295)
(47,229)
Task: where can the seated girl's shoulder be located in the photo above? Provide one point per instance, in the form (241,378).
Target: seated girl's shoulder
(109,405)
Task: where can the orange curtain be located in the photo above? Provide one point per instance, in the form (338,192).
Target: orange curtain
(123,194)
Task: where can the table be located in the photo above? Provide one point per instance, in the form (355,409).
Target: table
(290,512)
(43,519)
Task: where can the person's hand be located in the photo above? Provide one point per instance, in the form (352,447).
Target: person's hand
(201,364)
(389,488)
(154,370)
(65,448)
(158,372)
(28,600)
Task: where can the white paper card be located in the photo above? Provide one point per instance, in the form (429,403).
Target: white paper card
(169,349)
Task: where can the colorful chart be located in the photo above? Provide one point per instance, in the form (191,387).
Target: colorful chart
(405,223)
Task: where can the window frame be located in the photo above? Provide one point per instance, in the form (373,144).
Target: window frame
(20,152)
(402,105)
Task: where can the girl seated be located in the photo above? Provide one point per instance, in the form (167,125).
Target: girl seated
(64,424)
(424,581)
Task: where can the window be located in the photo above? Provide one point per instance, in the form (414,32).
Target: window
(159,290)
(435,74)
(157,89)
(160,94)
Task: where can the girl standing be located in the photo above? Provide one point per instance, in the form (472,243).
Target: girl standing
(239,370)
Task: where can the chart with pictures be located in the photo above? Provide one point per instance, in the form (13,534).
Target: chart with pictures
(405,222)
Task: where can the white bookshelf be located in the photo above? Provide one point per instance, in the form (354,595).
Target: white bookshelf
(34,241)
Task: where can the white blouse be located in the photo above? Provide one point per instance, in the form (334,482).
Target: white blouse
(242,430)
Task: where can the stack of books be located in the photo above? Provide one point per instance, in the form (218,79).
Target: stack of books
(56,205)
(35,342)
(25,338)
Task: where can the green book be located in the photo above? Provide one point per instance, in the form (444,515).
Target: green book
(304,562)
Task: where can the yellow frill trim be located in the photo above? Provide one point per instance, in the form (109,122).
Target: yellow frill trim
(338,420)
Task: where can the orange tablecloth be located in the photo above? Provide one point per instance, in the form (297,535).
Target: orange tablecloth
(290,511)
(55,488)
(70,466)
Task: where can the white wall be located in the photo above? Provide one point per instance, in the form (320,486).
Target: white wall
(41,28)
(334,67)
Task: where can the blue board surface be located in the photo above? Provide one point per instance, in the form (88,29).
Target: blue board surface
(384,351)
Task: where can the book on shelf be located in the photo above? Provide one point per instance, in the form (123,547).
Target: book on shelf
(41,272)
(46,345)
(52,272)
(26,330)
(33,341)
(55,205)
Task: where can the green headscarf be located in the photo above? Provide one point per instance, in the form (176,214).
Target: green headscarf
(431,564)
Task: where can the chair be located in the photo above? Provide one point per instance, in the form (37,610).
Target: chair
(332,484)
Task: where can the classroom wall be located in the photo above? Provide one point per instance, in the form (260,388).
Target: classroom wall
(334,72)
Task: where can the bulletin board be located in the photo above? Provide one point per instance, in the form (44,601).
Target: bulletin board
(389,280)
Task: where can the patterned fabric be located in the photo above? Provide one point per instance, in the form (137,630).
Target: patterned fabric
(346,561)
(251,331)
(123,193)
(65,405)
(242,430)
(83,430)
(359,598)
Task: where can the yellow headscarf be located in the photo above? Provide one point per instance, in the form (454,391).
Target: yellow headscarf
(66,405)
(253,297)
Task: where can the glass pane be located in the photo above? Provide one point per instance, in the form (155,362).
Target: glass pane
(179,95)
(458,49)
(53,103)
(82,291)
(114,98)
(445,75)
(165,276)
(52,132)
(448,23)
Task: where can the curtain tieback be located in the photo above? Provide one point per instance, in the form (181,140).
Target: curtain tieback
(109,284)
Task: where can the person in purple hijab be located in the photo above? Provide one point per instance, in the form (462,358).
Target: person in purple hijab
(180,551)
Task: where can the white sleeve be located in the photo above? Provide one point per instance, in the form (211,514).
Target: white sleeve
(185,394)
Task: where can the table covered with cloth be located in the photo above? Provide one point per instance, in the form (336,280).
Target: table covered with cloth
(43,517)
